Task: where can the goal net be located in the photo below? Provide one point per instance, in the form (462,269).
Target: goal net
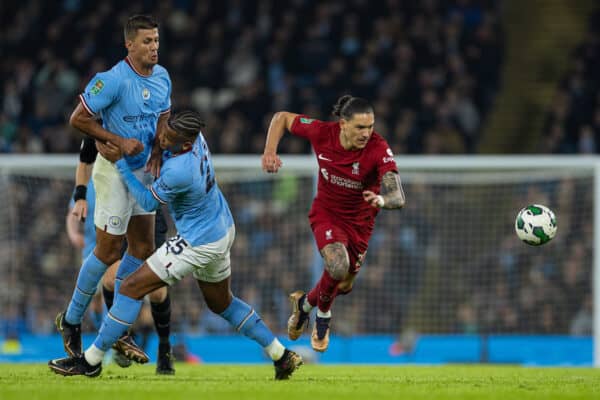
(448,263)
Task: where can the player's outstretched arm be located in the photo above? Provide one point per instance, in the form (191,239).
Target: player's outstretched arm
(391,194)
(281,121)
(87,123)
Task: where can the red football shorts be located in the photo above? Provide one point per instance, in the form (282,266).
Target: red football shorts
(326,232)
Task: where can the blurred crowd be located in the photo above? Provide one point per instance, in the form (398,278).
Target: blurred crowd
(572,124)
(431,68)
(449,264)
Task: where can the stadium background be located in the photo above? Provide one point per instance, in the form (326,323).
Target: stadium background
(445,77)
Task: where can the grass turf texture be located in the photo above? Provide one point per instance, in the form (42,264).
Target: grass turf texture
(312,382)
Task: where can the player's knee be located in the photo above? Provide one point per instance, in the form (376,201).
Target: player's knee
(218,303)
(337,269)
(159,295)
(337,262)
(142,251)
(108,254)
(108,282)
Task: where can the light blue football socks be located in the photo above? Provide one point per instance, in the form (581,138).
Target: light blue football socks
(129,264)
(120,317)
(87,281)
(247,321)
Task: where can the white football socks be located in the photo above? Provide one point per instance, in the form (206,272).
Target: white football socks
(275,350)
(93,355)
(306,307)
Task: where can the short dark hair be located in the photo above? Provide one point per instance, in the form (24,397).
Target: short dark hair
(347,106)
(187,124)
(138,22)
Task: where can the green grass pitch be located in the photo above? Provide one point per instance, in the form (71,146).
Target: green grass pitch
(311,382)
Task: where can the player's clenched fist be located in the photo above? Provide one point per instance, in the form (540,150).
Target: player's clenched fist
(271,162)
(373,199)
(131,147)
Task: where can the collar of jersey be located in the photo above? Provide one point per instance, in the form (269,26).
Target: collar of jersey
(171,155)
(128,62)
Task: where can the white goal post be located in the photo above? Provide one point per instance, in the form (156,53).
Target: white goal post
(449,262)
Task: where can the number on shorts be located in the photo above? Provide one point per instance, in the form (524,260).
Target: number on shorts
(176,245)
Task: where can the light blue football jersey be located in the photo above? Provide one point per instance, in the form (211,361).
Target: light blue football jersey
(129,104)
(187,184)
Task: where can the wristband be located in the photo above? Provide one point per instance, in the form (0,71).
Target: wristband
(80,192)
(380,202)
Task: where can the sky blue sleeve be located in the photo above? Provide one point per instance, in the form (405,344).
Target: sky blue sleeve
(166,106)
(101,92)
(143,196)
(171,183)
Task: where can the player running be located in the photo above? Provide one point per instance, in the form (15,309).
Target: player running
(202,247)
(357,177)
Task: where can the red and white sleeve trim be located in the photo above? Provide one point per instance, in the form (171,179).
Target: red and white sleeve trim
(84,104)
(156,196)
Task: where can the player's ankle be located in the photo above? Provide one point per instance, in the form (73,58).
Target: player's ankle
(305,305)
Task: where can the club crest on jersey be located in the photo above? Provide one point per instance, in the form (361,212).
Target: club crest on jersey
(97,88)
(145,93)
(356,168)
(328,234)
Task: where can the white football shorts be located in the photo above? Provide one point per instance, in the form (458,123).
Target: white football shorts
(114,204)
(208,262)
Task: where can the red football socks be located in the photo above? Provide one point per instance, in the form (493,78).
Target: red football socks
(324,292)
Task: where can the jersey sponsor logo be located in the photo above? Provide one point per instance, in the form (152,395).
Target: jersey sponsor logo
(163,186)
(97,88)
(340,181)
(306,120)
(145,94)
(138,118)
(322,157)
(345,182)
(390,158)
(356,168)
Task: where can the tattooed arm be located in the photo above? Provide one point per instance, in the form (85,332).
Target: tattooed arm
(392,195)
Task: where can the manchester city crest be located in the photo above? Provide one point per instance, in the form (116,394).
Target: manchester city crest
(145,93)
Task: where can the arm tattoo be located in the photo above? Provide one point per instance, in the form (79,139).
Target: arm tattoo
(391,190)
(336,259)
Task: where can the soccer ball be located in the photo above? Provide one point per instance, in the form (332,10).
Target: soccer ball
(536,224)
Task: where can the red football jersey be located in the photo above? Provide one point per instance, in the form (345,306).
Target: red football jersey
(345,174)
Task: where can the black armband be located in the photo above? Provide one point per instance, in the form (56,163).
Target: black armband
(80,192)
(88,151)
